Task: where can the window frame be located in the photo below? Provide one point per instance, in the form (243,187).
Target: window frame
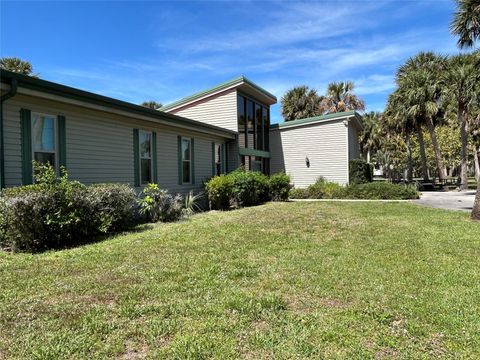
(140,157)
(55,140)
(182,138)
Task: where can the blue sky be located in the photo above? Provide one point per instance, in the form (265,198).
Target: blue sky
(163,51)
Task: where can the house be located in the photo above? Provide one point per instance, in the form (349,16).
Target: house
(100,139)
(317,146)
(238,105)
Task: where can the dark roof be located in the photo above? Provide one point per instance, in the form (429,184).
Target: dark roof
(92,98)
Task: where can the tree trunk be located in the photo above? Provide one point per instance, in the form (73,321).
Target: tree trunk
(437,151)
(476,204)
(409,159)
(477,163)
(423,154)
(463,124)
(368,156)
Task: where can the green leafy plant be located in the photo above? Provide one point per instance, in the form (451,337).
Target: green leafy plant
(360,171)
(159,205)
(219,190)
(249,188)
(192,203)
(279,187)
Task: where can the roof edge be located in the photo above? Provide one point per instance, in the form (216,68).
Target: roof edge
(316,119)
(97,99)
(222,86)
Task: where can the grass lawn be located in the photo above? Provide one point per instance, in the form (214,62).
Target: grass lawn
(283,280)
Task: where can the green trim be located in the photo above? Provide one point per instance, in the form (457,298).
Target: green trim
(192,161)
(253,152)
(136,158)
(63,91)
(62,141)
(226,158)
(223,159)
(26,138)
(237,81)
(213,160)
(154,157)
(315,119)
(179,162)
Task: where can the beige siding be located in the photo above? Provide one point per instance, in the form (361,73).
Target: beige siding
(100,145)
(219,110)
(324,144)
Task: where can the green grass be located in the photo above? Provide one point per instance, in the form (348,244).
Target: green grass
(283,280)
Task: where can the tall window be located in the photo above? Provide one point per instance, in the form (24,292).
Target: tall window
(218,159)
(145,143)
(258,127)
(186,160)
(44,144)
(253,124)
(266,129)
(242,124)
(250,141)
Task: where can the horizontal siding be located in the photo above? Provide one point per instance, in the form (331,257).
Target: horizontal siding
(324,144)
(219,110)
(100,145)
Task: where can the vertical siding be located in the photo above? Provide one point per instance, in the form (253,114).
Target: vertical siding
(100,146)
(219,110)
(325,144)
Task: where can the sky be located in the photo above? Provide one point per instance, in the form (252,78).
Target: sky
(163,51)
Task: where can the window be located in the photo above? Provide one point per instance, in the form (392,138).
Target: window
(266,129)
(186,160)
(44,145)
(259,127)
(218,159)
(242,124)
(145,143)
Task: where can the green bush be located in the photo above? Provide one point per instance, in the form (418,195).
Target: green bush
(249,187)
(382,190)
(360,171)
(297,193)
(279,187)
(159,205)
(57,213)
(220,191)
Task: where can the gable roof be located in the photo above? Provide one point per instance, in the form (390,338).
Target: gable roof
(318,119)
(31,83)
(240,81)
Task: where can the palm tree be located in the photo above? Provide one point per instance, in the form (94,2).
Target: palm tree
(466,22)
(462,83)
(340,97)
(370,136)
(17,65)
(419,81)
(300,102)
(151,104)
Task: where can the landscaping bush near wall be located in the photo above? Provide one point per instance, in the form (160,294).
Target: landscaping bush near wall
(360,172)
(323,189)
(246,188)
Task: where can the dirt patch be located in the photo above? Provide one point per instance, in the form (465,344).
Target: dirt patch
(134,352)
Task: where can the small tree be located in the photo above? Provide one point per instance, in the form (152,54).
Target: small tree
(17,65)
(300,102)
(151,104)
(340,97)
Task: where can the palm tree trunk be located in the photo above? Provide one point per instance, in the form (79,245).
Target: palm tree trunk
(477,163)
(462,123)
(423,154)
(476,204)
(409,158)
(368,156)
(437,151)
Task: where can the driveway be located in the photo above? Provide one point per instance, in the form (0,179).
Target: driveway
(452,200)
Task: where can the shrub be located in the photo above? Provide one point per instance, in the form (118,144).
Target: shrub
(323,189)
(249,188)
(159,205)
(220,191)
(279,187)
(382,190)
(296,193)
(192,203)
(56,212)
(360,171)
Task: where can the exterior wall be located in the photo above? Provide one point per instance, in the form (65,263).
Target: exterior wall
(219,110)
(353,143)
(100,145)
(325,144)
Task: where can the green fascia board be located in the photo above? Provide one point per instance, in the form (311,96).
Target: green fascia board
(237,81)
(339,115)
(253,152)
(49,87)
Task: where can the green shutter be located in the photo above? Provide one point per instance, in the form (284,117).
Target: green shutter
(179,148)
(62,146)
(26,134)
(192,161)
(213,159)
(136,158)
(154,157)
(223,162)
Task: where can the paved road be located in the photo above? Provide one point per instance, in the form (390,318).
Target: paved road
(452,200)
